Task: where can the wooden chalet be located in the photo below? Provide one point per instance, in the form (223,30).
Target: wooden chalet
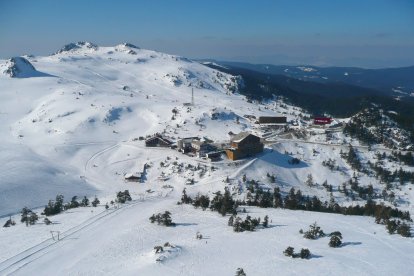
(243,145)
(157,141)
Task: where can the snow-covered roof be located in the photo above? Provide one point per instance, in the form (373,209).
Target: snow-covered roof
(132,175)
(240,136)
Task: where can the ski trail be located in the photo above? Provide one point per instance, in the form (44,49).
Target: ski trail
(13,264)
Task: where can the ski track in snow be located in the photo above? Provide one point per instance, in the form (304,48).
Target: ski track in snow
(30,255)
(62,121)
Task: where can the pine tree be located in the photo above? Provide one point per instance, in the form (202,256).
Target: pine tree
(335,241)
(314,232)
(266,221)
(33,218)
(277,198)
(404,230)
(309,181)
(95,202)
(305,253)
(237,225)
(289,251)
(25,213)
(74,203)
(184,198)
(85,202)
(9,222)
(231,220)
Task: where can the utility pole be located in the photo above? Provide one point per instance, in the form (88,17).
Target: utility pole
(192,96)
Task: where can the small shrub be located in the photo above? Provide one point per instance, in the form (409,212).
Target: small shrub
(335,241)
(266,221)
(289,251)
(47,221)
(95,202)
(305,253)
(9,222)
(314,232)
(240,272)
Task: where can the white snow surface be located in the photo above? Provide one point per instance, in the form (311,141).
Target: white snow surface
(73,130)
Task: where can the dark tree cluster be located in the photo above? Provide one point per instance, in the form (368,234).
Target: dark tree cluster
(162,219)
(295,200)
(352,159)
(95,202)
(240,225)
(357,128)
(263,199)
(122,197)
(54,207)
(315,232)
(407,159)
(371,126)
(363,192)
(201,201)
(304,253)
(397,226)
(387,176)
(57,206)
(223,203)
(327,186)
(331,164)
(28,216)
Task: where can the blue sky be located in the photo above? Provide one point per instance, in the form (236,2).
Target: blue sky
(368,33)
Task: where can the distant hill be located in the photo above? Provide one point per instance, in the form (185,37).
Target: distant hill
(394,81)
(335,98)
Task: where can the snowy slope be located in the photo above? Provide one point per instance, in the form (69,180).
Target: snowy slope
(74,129)
(91,96)
(123,242)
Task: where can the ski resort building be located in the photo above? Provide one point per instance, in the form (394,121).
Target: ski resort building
(214,156)
(184,144)
(322,120)
(201,148)
(243,145)
(158,141)
(272,120)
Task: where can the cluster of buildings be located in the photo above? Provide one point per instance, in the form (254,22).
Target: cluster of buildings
(240,146)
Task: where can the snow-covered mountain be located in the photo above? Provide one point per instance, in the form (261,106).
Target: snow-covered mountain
(20,67)
(77,128)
